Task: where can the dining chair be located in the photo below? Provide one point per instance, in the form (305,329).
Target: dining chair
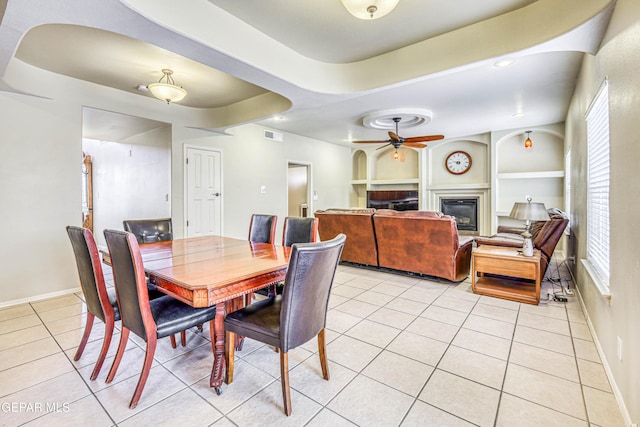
(149,230)
(148,319)
(100,300)
(299,230)
(262,228)
(295,317)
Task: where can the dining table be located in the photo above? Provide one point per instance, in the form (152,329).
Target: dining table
(214,271)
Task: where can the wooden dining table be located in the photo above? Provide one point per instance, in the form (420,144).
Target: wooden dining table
(214,271)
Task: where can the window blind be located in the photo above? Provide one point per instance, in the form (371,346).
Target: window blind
(597,119)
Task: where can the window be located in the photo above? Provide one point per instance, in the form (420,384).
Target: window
(598,189)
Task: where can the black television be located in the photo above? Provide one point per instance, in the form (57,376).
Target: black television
(400,200)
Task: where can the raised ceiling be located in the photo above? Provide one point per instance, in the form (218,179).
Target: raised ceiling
(318,70)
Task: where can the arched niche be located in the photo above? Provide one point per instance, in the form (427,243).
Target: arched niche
(359,165)
(385,167)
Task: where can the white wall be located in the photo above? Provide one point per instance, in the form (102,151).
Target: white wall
(250,161)
(131,179)
(41,181)
(40,190)
(617,59)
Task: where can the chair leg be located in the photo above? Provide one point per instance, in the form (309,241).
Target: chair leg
(85,337)
(173,341)
(229,354)
(146,367)
(108,333)
(183,338)
(284,379)
(124,337)
(322,351)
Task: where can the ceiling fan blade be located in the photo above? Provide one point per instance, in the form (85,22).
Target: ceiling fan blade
(379,148)
(394,136)
(370,142)
(415,145)
(424,138)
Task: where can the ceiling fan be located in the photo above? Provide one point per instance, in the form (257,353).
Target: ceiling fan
(397,141)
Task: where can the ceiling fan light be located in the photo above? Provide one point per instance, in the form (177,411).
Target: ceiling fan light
(369,9)
(396,156)
(166,88)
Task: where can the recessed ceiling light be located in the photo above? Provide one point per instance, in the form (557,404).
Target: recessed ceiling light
(278,118)
(504,62)
(517,114)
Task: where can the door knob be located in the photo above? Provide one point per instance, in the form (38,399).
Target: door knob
(216,194)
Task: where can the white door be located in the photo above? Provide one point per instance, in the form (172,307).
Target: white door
(204,192)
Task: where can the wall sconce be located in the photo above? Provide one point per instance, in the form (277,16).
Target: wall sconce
(528,144)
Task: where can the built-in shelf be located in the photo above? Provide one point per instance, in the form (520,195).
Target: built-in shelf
(531,175)
(395,181)
(359,182)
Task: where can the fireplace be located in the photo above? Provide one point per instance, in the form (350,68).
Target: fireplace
(465,210)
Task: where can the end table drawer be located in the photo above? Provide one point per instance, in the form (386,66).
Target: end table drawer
(506,267)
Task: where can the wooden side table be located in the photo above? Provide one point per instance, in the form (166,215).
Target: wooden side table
(510,265)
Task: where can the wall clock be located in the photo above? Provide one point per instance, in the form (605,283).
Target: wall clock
(458,162)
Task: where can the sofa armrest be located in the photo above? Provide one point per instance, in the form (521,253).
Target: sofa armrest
(499,241)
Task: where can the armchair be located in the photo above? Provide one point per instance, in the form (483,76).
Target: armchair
(545,236)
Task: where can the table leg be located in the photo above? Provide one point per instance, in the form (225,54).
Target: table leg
(217,373)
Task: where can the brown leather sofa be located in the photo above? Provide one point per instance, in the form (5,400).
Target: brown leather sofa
(545,236)
(414,241)
(357,225)
(422,242)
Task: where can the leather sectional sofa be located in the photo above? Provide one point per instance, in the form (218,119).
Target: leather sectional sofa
(414,241)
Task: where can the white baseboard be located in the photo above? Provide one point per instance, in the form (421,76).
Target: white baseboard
(35,298)
(614,387)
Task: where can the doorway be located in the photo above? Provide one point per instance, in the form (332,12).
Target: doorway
(298,183)
(203,181)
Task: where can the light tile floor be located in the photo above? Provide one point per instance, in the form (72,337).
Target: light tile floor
(403,351)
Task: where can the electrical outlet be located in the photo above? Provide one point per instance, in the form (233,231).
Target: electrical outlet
(568,291)
(619,347)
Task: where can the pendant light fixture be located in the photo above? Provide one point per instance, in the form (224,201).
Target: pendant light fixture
(528,144)
(166,88)
(369,9)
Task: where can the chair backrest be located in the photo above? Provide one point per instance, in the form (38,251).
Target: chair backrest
(262,228)
(299,230)
(90,271)
(551,231)
(130,282)
(312,267)
(149,230)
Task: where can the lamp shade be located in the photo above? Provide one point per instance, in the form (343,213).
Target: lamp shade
(529,211)
(369,9)
(167,92)
(166,89)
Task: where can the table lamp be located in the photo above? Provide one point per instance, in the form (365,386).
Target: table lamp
(528,212)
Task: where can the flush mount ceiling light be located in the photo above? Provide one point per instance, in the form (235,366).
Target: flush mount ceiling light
(369,9)
(166,88)
(528,144)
